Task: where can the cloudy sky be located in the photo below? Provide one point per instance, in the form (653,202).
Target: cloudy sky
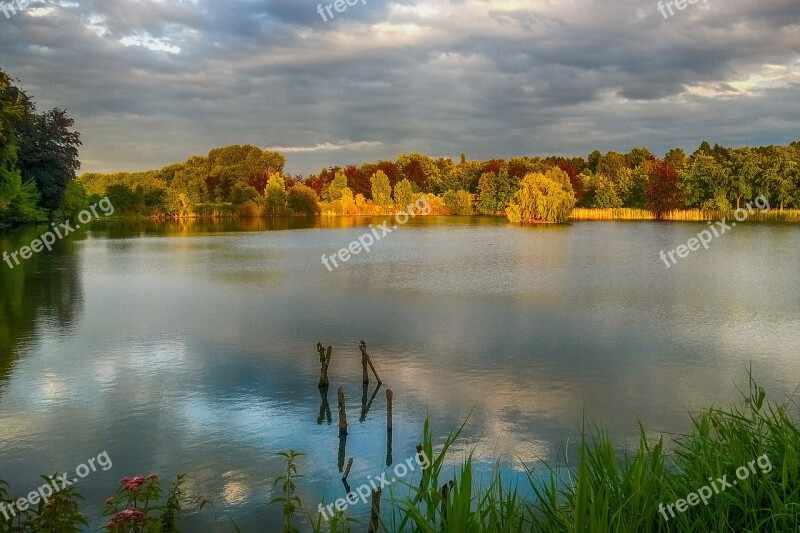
(151,82)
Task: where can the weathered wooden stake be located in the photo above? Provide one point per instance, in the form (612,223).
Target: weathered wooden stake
(347,469)
(324,408)
(321,351)
(365,407)
(389,447)
(326,361)
(365,355)
(364,372)
(375,515)
(342,452)
(342,413)
(389,397)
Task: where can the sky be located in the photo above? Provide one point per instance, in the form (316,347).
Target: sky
(151,82)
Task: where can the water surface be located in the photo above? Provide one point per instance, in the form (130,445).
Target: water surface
(190,346)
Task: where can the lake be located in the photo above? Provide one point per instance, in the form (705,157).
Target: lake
(190,346)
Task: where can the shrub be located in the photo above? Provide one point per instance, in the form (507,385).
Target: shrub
(543,198)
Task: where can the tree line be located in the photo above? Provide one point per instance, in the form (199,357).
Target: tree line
(248,181)
(38,160)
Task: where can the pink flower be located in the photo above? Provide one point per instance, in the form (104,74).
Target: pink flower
(152,477)
(130,515)
(110,501)
(132,483)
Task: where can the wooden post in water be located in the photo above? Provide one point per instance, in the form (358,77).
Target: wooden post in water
(347,469)
(365,355)
(365,406)
(389,447)
(342,413)
(324,408)
(321,351)
(342,452)
(375,515)
(389,397)
(364,372)
(326,361)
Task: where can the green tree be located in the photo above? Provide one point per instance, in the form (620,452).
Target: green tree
(275,194)
(594,161)
(495,192)
(177,203)
(677,158)
(419,169)
(303,200)
(333,191)
(543,198)
(18,200)
(487,204)
(459,202)
(704,179)
(743,172)
(637,156)
(381,190)
(780,179)
(240,195)
(403,193)
(74,201)
(48,153)
(600,192)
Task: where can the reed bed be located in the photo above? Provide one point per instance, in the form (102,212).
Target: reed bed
(611,491)
(682,215)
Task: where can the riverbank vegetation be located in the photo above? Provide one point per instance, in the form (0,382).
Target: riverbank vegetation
(737,469)
(39,158)
(248,181)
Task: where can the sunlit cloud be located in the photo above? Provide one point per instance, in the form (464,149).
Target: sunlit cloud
(326,147)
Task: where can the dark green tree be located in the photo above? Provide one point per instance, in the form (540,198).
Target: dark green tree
(48,153)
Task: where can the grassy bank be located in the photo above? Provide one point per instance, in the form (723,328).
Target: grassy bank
(684,215)
(736,470)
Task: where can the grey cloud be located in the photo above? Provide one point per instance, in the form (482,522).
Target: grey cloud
(480,77)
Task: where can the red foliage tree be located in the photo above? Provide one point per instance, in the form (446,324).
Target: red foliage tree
(574,178)
(494,166)
(663,193)
(389,168)
(326,176)
(258,181)
(416,175)
(358,181)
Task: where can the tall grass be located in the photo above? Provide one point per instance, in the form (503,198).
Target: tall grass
(613,491)
(682,215)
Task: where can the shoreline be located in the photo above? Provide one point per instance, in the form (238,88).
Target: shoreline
(579,214)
